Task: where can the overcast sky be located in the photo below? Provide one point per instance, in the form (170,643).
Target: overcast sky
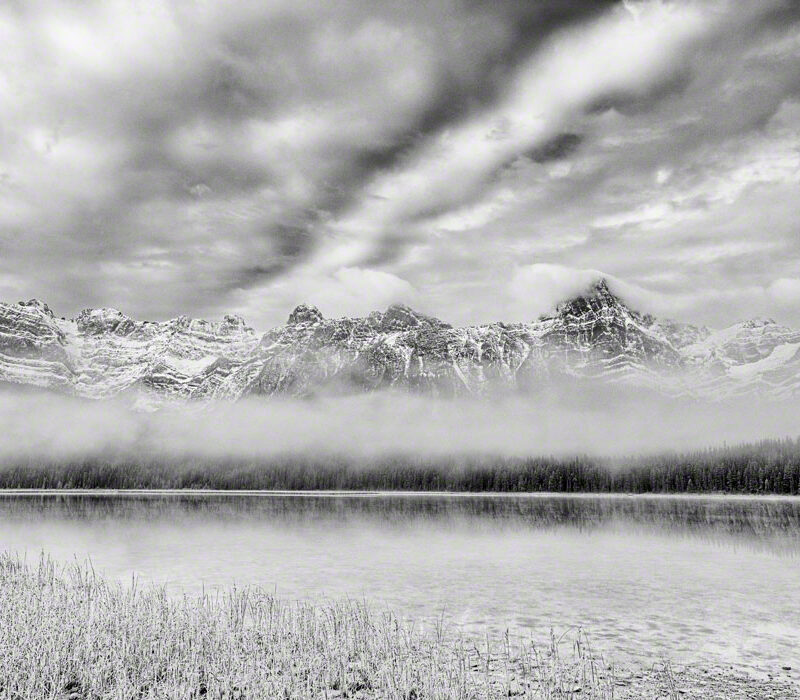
(477,160)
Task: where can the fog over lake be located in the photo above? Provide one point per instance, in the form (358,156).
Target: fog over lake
(603,421)
(696,579)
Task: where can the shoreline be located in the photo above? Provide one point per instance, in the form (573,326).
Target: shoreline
(103,492)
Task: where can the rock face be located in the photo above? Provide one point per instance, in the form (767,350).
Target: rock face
(593,338)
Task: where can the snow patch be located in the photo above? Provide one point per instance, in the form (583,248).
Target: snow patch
(187,366)
(779,356)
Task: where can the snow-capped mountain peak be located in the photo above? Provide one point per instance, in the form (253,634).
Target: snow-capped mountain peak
(594,336)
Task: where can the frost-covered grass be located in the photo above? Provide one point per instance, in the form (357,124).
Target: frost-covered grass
(65,632)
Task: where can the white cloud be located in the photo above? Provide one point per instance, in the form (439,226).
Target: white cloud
(476,215)
(645,215)
(540,287)
(714,179)
(785,290)
(348,291)
(357,291)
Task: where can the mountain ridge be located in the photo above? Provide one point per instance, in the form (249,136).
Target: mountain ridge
(591,337)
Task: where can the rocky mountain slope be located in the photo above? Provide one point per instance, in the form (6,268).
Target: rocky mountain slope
(593,338)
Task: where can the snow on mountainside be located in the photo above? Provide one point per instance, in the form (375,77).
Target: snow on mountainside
(594,337)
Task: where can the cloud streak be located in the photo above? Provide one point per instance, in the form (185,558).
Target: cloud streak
(614,55)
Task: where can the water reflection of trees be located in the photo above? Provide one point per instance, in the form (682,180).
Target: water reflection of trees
(772,523)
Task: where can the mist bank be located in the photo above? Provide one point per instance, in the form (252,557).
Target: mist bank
(52,428)
(601,443)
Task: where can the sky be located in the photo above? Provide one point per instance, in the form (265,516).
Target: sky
(478,160)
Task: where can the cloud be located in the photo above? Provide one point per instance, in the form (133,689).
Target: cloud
(176,127)
(169,157)
(539,288)
(613,54)
(785,290)
(347,291)
(39,428)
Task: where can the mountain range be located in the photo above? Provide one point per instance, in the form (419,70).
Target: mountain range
(592,339)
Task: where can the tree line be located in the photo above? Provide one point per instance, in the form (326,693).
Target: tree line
(765,467)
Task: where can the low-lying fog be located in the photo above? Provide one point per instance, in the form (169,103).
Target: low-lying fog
(59,427)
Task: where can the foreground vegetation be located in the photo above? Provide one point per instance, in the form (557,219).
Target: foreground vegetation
(770,466)
(67,633)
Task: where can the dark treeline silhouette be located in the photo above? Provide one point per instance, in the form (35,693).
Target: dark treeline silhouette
(769,466)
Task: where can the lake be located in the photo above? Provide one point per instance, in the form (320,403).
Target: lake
(697,579)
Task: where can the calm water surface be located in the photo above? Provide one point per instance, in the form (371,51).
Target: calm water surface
(696,579)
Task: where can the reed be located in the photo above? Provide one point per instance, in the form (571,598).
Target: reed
(68,633)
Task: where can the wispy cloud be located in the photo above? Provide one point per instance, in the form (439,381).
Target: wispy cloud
(614,55)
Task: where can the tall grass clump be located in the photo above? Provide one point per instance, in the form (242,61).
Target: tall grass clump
(65,632)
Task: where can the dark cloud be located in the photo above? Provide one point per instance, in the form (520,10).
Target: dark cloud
(557,148)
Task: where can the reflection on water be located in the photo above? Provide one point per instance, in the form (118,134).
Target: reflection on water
(692,578)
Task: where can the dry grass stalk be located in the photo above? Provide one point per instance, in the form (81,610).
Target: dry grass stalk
(65,632)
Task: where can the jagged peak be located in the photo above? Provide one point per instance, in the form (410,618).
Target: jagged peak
(600,287)
(111,320)
(38,304)
(230,324)
(400,317)
(598,294)
(234,321)
(758,323)
(397,317)
(305,313)
(104,320)
(99,311)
